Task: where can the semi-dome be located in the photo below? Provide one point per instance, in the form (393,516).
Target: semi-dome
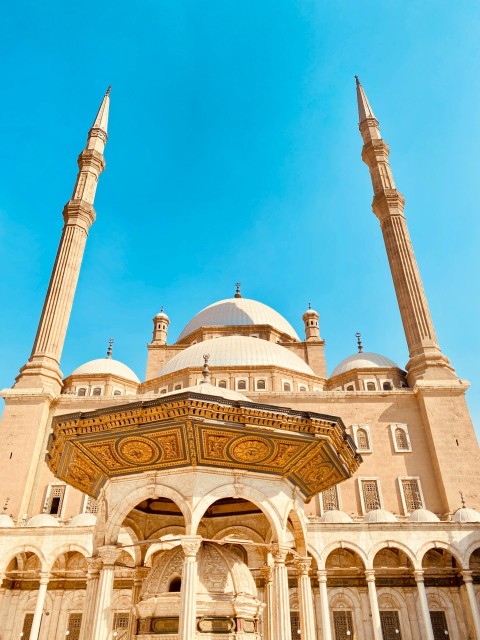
(106,366)
(465,514)
(43,520)
(335,516)
(207,389)
(380,515)
(83,520)
(238,312)
(367,360)
(423,515)
(5,521)
(236,351)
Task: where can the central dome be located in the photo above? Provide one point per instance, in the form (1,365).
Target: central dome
(236,351)
(238,312)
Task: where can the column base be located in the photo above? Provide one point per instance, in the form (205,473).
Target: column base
(40,372)
(429,364)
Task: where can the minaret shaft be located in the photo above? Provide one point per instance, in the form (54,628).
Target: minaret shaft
(426,358)
(42,369)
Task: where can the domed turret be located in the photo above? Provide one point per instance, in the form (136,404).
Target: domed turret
(334,516)
(465,514)
(312,329)
(364,360)
(160,327)
(380,515)
(423,515)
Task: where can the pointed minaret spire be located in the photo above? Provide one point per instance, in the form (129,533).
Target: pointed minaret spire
(426,358)
(43,367)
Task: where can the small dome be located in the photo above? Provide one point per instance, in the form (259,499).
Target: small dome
(207,389)
(83,520)
(380,515)
(161,315)
(423,515)
(236,351)
(43,520)
(364,361)
(106,366)
(238,312)
(5,521)
(333,516)
(466,515)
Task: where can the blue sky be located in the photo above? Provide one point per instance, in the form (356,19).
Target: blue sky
(234,154)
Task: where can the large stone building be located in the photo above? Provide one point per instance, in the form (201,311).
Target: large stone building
(239,491)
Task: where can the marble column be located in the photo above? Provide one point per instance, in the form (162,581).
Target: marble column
(305,599)
(467,578)
(94,566)
(422,597)
(37,616)
(187,626)
(102,615)
(267,573)
(322,585)
(372,596)
(281,600)
(139,577)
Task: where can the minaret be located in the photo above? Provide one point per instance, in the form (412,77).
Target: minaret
(310,320)
(426,359)
(160,328)
(43,367)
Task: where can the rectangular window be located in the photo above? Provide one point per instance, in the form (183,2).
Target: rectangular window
(120,624)
(343,625)
(412,495)
(74,625)
(90,505)
(27,626)
(439,625)
(390,625)
(55,498)
(295,624)
(330,499)
(370,495)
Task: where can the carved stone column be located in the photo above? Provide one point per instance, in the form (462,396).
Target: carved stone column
(305,598)
(93,574)
(322,584)
(372,596)
(139,577)
(188,593)
(422,597)
(281,603)
(267,573)
(102,616)
(467,578)
(37,616)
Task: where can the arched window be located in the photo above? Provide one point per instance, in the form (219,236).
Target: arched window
(177,387)
(241,385)
(81,392)
(302,387)
(261,385)
(401,439)
(371,386)
(287,386)
(175,585)
(117,392)
(351,387)
(222,384)
(387,386)
(363,442)
(97,392)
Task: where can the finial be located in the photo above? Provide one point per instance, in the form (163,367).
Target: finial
(109,88)
(5,506)
(238,293)
(358,336)
(206,370)
(462,499)
(309,305)
(161,309)
(110,347)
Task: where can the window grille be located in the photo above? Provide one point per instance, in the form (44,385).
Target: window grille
(91,505)
(242,385)
(261,384)
(27,626)
(401,439)
(74,625)
(295,625)
(390,625)
(97,392)
(412,495)
(363,443)
(287,386)
(222,384)
(120,624)
(439,625)
(330,499)
(81,392)
(371,495)
(371,386)
(343,625)
(55,497)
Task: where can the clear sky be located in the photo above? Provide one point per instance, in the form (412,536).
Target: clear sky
(234,154)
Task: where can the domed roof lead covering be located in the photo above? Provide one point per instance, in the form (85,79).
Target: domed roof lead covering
(238,311)
(236,351)
(106,366)
(364,360)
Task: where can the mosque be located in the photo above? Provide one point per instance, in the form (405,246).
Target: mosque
(239,492)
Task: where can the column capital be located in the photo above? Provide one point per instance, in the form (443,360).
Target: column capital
(94,565)
(302,565)
(140,573)
(279,553)
(467,575)
(370,575)
(267,572)
(190,545)
(109,555)
(418,575)
(44,577)
(322,575)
